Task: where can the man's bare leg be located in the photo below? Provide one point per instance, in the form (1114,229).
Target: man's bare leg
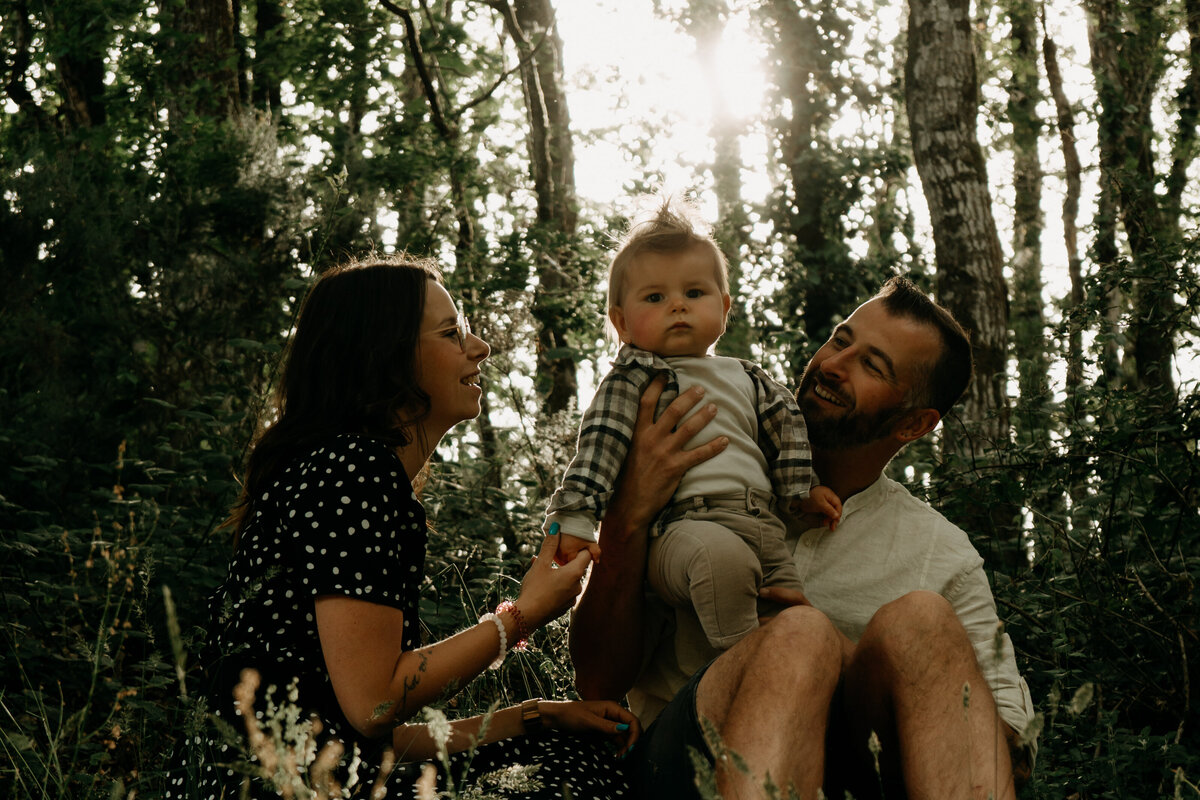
(769,696)
(906,682)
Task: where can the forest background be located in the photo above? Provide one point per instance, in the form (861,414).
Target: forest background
(174,174)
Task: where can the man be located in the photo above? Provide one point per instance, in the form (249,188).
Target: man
(893,650)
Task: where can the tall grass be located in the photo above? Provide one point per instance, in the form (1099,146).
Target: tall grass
(99,681)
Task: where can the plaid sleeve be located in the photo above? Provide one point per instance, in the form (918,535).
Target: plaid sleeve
(782,436)
(604,436)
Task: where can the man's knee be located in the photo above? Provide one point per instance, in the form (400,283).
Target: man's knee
(798,641)
(801,639)
(794,661)
(918,622)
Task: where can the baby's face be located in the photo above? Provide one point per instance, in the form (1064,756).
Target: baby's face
(672,304)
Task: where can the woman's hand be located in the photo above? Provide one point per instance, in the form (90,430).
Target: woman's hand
(548,590)
(600,716)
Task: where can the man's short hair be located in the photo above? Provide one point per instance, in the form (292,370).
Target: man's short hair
(939,385)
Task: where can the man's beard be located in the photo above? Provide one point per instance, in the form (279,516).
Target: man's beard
(851,429)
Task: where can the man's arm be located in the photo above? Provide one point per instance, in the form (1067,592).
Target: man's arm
(606,629)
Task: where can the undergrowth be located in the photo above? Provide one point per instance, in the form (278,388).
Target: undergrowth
(99,677)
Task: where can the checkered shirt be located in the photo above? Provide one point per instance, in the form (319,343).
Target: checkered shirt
(607,429)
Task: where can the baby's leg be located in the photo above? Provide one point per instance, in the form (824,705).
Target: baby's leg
(779,568)
(705,565)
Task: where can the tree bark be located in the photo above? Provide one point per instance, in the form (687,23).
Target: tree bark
(532,27)
(942,96)
(204,60)
(265,91)
(1072,171)
(705,22)
(1028,318)
(1128,61)
(804,51)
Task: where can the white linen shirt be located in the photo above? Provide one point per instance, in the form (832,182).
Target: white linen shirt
(887,544)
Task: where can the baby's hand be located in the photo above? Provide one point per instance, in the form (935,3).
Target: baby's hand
(824,503)
(569,546)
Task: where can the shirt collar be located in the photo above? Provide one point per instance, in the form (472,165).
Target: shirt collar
(866,497)
(635,355)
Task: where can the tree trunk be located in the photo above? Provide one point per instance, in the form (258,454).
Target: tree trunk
(531,25)
(1128,61)
(804,55)
(942,95)
(1072,171)
(360,212)
(81,76)
(1028,317)
(265,91)
(419,79)
(705,21)
(204,60)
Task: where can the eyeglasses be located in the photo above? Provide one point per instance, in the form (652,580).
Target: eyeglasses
(462,327)
(461,330)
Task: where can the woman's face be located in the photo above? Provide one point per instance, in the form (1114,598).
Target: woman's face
(448,359)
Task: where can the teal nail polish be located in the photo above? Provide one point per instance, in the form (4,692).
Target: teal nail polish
(623,726)
(553,528)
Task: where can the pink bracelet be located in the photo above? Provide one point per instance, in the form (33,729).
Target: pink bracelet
(523,631)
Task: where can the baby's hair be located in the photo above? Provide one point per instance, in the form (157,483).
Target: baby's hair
(674,226)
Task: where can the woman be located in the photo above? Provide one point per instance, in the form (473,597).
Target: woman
(315,628)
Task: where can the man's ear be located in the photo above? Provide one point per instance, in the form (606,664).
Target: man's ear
(916,423)
(617,317)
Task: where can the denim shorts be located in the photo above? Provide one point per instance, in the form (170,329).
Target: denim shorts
(659,765)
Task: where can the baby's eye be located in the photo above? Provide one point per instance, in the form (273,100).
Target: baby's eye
(654,297)
(694,293)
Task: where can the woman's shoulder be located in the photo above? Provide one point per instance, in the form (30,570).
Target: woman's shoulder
(347,452)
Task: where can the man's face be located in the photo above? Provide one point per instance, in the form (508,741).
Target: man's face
(857,386)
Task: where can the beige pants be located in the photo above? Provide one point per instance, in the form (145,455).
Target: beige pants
(714,554)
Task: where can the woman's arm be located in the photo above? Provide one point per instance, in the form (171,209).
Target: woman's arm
(606,629)
(378,684)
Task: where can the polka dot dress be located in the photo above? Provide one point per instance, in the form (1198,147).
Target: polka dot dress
(341,520)
(562,764)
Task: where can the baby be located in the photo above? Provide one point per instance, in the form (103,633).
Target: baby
(719,540)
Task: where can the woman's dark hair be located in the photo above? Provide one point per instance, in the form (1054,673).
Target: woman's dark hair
(943,382)
(348,368)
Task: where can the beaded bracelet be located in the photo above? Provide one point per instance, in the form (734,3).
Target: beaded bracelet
(503,639)
(523,631)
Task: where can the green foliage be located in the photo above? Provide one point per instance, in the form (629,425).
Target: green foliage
(155,249)
(1101,592)
(89,687)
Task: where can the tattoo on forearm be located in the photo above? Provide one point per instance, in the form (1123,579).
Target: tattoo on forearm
(412,682)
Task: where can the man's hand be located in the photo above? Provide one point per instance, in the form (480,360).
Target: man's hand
(657,459)
(606,630)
